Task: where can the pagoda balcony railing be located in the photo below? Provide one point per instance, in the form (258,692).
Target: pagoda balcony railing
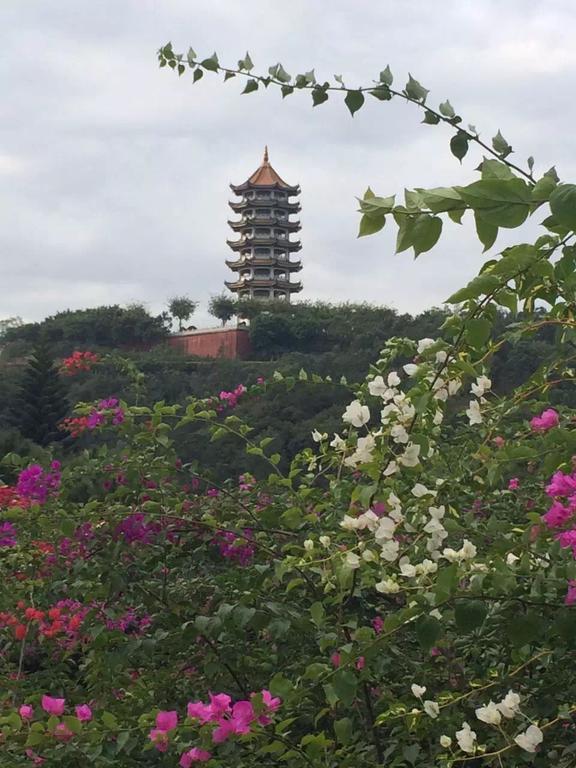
(278,242)
(255,221)
(265,261)
(288,207)
(265,282)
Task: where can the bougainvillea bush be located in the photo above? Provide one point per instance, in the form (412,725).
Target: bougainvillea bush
(403,596)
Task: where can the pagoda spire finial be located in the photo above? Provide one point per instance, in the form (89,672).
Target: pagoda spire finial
(266,154)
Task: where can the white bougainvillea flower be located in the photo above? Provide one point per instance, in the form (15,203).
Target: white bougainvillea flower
(468,551)
(511,558)
(466,738)
(393,379)
(387,587)
(489,714)
(411,369)
(385,530)
(530,739)
(437,513)
(318,436)
(482,385)
(399,434)
(418,690)
(325,541)
(441,394)
(387,412)
(363,452)
(390,550)
(390,469)
(356,414)
(510,705)
(437,420)
(377,386)
(410,456)
(441,356)
(369,556)
(453,386)
(352,561)
(426,567)
(424,344)
(420,490)
(406,568)
(338,443)
(473,412)
(308,545)
(445,741)
(431,708)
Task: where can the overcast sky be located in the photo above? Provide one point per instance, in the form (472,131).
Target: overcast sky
(114,174)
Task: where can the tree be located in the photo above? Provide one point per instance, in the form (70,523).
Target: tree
(222,307)
(182,307)
(42,400)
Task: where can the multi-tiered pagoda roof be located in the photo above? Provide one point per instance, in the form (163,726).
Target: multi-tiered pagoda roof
(263,248)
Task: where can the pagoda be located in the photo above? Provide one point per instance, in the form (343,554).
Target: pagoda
(263,265)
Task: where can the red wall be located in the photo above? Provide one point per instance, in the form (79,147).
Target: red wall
(221,342)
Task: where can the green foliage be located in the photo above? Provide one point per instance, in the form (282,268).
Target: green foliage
(222,307)
(182,308)
(42,401)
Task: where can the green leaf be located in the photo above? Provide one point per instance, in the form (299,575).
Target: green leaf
(251,86)
(370,224)
(246,63)
(470,614)
(354,100)
(478,331)
(228,76)
(386,76)
(447,109)
(287,90)
(530,163)
(500,145)
(109,720)
(428,631)
(319,95)
(563,205)
(494,169)
(414,90)
(501,202)
(198,74)
(459,145)
(279,73)
(446,583)
(343,730)
(181,69)
(425,232)
(317,612)
(543,189)
(524,629)
(382,93)
(344,684)
(211,64)
(430,118)
(487,233)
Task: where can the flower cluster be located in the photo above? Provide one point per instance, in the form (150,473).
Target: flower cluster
(231,398)
(62,622)
(7,534)
(107,412)
(37,485)
(78,362)
(136,528)
(9,498)
(561,516)
(548,419)
(239,549)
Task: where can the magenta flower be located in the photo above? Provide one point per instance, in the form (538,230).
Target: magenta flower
(194,755)
(26,712)
(562,485)
(378,624)
(335,659)
(53,706)
(568,540)
(557,515)
(513,484)
(197,710)
(547,420)
(159,739)
(83,713)
(220,704)
(570,598)
(271,702)
(7,535)
(62,732)
(361,663)
(167,721)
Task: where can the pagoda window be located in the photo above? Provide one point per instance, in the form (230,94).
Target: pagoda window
(281,276)
(261,273)
(262,233)
(262,251)
(280,235)
(279,254)
(245,273)
(280,295)
(263,212)
(261,294)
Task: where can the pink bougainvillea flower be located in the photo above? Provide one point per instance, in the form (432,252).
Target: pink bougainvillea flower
(53,706)
(271,702)
(547,420)
(570,598)
(513,484)
(194,755)
(378,624)
(83,713)
(335,659)
(567,539)
(26,712)
(361,662)
(36,759)
(557,515)
(498,441)
(62,732)
(220,704)
(167,721)
(159,738)
(562,485)
(197,710)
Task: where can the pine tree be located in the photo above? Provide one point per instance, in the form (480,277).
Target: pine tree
(42,402)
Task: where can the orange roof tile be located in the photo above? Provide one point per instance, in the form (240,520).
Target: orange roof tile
(266,176)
